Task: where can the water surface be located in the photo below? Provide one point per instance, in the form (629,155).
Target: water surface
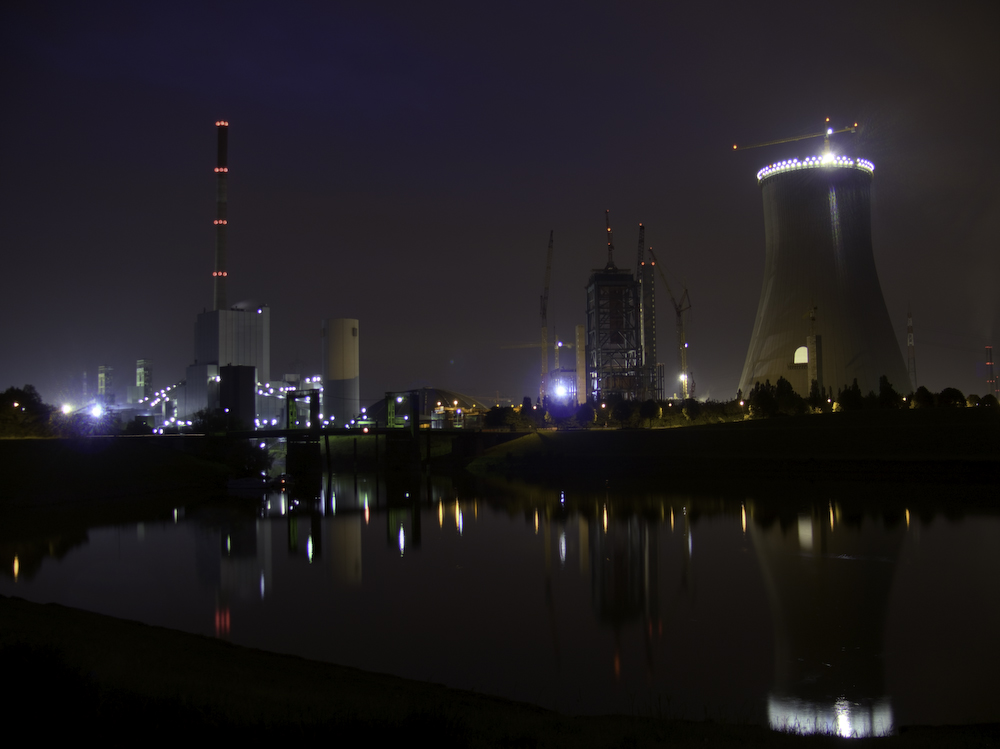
(814,619)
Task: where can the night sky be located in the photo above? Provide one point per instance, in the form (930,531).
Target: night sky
(403,163)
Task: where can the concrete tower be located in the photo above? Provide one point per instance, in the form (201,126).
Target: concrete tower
(341,370)
(821,314)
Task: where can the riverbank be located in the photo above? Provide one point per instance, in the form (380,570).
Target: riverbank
(919,446)
(76,671)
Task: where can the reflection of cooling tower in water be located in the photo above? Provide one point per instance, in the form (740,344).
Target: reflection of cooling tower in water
(821,314)
(828,587)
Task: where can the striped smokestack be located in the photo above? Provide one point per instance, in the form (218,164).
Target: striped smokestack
(222,172)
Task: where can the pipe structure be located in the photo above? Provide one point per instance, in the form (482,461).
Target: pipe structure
(219,275)
(821,315)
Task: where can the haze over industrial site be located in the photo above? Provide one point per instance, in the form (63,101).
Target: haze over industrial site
(404,167)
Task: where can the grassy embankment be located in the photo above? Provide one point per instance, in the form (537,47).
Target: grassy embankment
(942,445)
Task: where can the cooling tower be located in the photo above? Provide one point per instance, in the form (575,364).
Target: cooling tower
(821,314)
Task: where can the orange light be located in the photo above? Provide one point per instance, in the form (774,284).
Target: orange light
(734,146)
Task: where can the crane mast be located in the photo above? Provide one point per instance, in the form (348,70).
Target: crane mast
(545,323)
(679,308)
(642,244)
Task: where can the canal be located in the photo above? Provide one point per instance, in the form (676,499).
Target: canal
(811,617)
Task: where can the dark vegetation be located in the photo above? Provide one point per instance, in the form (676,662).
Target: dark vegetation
(764,401)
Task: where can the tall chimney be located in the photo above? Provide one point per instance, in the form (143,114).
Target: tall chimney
(222,172)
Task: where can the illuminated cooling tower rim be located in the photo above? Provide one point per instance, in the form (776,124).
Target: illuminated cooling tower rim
(827,161)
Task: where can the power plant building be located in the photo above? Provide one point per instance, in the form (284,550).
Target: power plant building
(821,316)
(236,336)
(613,351)
(341,370)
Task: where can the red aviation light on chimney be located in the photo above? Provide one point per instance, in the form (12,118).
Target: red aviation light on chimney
(222,123)
(220,221)
(222,169)
(219,273)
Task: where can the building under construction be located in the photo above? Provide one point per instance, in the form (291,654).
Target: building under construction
(821,317)
(621,330)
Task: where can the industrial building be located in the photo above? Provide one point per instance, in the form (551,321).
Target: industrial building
(106,385)
(237,335)
(143,387)
(621,330)
(341,370)
(821,316)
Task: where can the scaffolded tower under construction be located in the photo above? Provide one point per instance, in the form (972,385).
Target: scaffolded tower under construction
(614,351)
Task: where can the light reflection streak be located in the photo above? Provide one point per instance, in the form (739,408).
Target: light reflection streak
(842,718)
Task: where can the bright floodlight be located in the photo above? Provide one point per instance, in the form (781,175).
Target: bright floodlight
(67,408)
(561,391)
(96,411)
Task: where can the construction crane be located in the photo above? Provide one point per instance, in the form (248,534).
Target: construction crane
(680,308)
(545,322)
(611,239)
(826,133)
(642,244)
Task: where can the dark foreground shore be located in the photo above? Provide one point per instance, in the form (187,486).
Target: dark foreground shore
(71,672)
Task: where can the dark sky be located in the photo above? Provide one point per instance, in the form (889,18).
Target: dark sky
(403,163)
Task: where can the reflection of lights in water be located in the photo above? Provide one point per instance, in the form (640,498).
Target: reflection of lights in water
(562,547)
(907,518)
(839,718)
(536,522)
(805,533)
(831,516)
(402,540)
(229,545)
(309,549)
(605,518)
(671,519)
(261,584)
(458,518)
(690,543)
(17,566)
(743,514)
(562,497)
(440,514)
(368,513)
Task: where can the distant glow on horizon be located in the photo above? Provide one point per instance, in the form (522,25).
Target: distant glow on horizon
(814,162)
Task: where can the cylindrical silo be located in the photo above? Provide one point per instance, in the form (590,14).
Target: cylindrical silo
(821,314)
(341,370)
